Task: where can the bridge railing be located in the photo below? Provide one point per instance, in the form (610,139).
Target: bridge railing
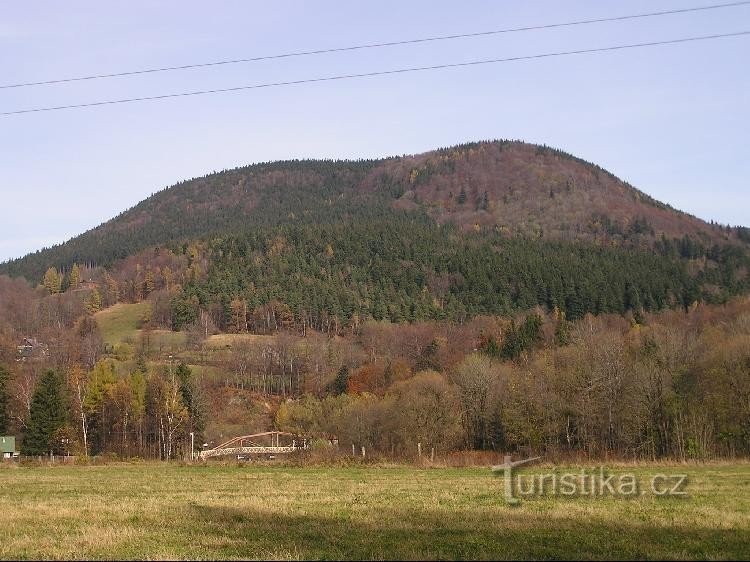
(248,451)
(248,445)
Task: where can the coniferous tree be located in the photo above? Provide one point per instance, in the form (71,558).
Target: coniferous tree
(149,283)
(111,290)
(462,196)
(52,281)
(94,302)
(192,400)
(522,338)
(75,277)
(428,359)
(512,346)
(562,330)
(48,413)
(340,384)
(491,347)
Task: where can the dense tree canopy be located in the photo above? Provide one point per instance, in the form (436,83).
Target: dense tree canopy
(403,267)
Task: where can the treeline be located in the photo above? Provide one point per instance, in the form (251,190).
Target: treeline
(677,388)
(148,413)
(673,384)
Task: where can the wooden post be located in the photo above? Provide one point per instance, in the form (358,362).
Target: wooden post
(419,450)
(353,453)
(432,455)
(363,452)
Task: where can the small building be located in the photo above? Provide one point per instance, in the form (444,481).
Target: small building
(8,447)
(30,347)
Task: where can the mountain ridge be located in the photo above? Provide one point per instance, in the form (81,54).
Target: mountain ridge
(511,187)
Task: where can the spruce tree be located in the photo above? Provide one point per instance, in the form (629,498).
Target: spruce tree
(512,345)
(562,331)
(485,202)
(340,384)
(47,415)
(462,196)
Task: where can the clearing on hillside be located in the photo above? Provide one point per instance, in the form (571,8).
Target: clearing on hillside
(230,340)
(121,322)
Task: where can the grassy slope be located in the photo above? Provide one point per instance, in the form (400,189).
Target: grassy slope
(169,511)
(121,322)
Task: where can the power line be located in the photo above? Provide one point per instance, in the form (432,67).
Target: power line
(378,73)
(377,45)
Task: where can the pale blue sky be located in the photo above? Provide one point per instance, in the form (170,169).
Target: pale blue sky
(671,120)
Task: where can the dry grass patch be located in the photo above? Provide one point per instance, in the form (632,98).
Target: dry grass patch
(159,511)
(217,341)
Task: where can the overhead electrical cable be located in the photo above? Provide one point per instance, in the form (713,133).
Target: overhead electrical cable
(377,45)
(379,73)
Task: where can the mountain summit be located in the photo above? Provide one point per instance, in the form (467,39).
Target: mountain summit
(509,187)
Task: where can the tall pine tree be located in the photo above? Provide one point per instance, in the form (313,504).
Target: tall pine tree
(47,415)
(52,281)
(75,276)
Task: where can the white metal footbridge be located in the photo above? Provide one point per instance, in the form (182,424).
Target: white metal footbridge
(267,443)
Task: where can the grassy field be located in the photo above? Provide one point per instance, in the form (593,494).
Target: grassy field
(166,340)
(171,511)
(229,340)
(121,321)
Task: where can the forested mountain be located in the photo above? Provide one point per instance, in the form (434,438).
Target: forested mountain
(506,187)
(529,300)
(484,228)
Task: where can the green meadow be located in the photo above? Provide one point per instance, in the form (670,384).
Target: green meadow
(121,322)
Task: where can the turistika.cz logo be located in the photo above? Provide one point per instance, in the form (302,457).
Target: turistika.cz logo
(593,482)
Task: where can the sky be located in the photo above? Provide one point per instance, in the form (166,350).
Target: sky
(671,120)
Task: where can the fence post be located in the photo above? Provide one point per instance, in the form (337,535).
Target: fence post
(363,452)
(419,450)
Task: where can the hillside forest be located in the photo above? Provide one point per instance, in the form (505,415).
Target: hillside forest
(452,301)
